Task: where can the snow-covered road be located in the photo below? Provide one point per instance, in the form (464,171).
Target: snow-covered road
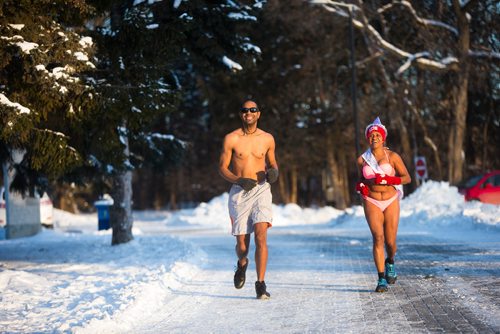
(322,280)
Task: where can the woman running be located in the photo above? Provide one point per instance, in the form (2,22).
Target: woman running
(383,174)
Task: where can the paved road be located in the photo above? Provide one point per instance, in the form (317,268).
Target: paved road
(322,281)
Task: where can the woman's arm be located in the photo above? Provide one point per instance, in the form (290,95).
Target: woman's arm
(400,168)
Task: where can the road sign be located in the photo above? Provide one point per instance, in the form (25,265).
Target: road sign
(420,168)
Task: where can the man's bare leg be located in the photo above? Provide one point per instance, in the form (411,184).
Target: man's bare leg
(260,231)
(242,246)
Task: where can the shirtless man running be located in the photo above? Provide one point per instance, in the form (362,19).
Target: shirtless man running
(248,162)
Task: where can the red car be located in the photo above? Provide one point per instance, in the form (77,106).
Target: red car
(484,188)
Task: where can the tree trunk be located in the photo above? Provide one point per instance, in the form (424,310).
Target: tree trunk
(427,139)
(283,187)
(344,181)
(337,167)
(120,214)
(293,184)
(434,149)
(457,134)
(175,176)
(486,143)
(460,98)
(66,199)
(396,109)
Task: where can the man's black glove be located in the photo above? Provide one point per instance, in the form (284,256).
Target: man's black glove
(272,175)
(246,183)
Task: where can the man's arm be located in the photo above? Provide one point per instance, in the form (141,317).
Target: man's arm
(272,165)
(271,158)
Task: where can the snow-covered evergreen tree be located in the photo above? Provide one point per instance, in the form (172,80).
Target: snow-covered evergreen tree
(43,94)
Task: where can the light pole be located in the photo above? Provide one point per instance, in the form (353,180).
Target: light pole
(353,83)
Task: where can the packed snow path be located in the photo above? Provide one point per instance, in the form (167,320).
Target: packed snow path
(322,280)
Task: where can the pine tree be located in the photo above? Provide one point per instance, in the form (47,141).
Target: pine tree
(43,92)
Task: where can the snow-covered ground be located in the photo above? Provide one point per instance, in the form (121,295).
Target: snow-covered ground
(71,280)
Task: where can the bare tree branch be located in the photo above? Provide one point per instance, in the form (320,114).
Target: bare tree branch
(422,21)
(421,59)
(335,4)
(361,63)
(443,65)
(408,62)
(485,54)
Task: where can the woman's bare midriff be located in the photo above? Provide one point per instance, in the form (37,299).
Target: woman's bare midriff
(382,193)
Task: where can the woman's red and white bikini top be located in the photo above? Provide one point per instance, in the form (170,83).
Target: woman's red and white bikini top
(369,173)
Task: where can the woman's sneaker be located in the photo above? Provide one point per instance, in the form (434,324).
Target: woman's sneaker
(390,273)
(260,289)
(239,275)
(381,285)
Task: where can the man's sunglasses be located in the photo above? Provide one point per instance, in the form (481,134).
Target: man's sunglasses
(252,110)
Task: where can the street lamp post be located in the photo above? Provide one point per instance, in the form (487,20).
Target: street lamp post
(353,84)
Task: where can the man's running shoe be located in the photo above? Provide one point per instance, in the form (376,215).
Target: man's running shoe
(239,275)
(260,289)
(381,285)
(390,273)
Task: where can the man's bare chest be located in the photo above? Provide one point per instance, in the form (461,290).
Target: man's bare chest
(250,149)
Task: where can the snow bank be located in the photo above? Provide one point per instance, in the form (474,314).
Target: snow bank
(215,214)
(439,203)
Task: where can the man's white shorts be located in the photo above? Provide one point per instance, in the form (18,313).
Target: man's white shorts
(247,208)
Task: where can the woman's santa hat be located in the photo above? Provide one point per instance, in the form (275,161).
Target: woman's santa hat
(376,126)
